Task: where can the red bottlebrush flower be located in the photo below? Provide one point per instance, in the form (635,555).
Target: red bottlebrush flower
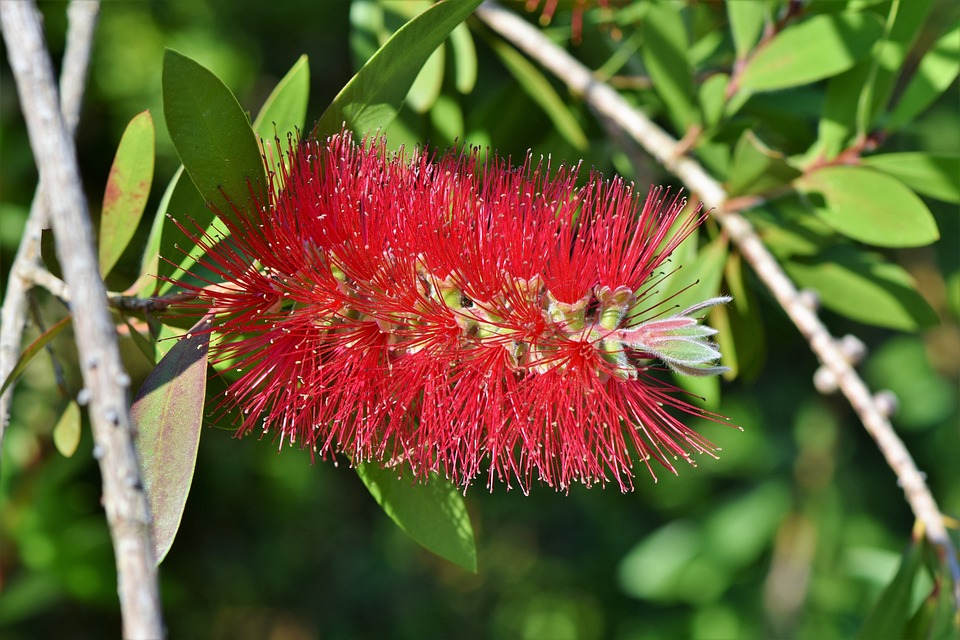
(456,316)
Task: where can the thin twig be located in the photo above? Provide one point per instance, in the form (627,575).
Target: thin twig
(607,102)
(124,499)
(38,276)
(82,15)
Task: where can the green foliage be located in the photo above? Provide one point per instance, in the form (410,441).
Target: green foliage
(868,206)
(811,50)
(212,135)
(432,513)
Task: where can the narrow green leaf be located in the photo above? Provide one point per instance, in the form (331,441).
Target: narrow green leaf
(150,264)
(664,55)
(433,513)
(757,168)
(739,324)
(464,59)
(32,350)
(535,85)
(285,109)
(889,616)
(936,72)
(693,277)
(212,135)
(167,414)
(426,88)
(283,114)
(746,23)
(871,207)
(713,98)
(128,187)
(937,176)
(373,96)
(817,48)
(178,249)
(66,433)
(863,286)
(904,20)
(145,346)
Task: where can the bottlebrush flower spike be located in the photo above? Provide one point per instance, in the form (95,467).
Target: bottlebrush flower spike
(456,316)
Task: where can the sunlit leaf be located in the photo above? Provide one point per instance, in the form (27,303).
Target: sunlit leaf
(212,135)
(128,187)
(32,350)
(935,73)
(66,433)
(464,58)
(664,55)
(817,48)
(712,95)
(863,286)
(373,96)
(167,414)
(934,175)
(871,207)
(433,513)
(746,23)
(285,109)
(282,115)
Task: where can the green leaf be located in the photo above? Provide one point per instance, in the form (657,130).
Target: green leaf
(167,414)
(212,136)
(936,72)
(373,96)
(32,350)
(150,264)
(542,92)
(937,176)
(817,48)
(283,114)
(285,109)
(713,97)
(665,57)
(66,433)
(863,286)
(757,168)
(871,207)
(464,59)
(904,20)
(746,23)
(889,616)
(739,325)
(694,276)
(128,187)
(178,249)
(433,513)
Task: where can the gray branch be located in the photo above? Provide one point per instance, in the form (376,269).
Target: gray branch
(82,15)
(124,499)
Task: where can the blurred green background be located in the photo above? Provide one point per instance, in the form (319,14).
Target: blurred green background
(793,532)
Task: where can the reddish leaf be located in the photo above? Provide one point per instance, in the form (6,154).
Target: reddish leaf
(168,413)
(128,188)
